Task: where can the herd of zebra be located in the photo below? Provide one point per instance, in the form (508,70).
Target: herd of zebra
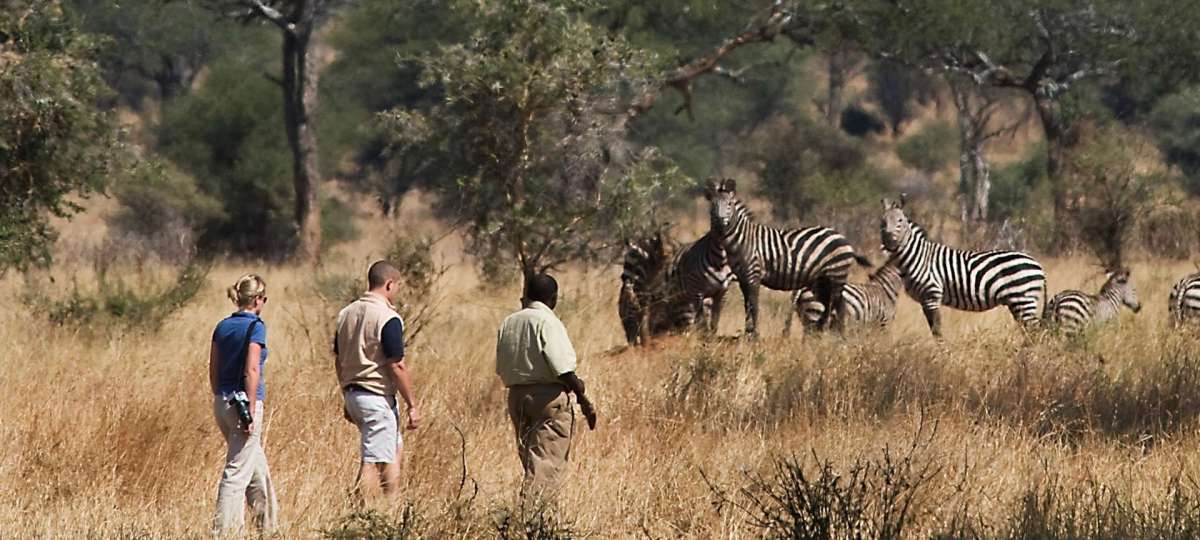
(664,289)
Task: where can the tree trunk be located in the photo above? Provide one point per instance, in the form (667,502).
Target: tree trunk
(1050,114)
(299,83)
(983,185)
(838,60)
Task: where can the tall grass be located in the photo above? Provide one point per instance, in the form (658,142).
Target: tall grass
(110,435)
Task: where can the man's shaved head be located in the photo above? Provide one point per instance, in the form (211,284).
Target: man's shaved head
(542,288)
(380,273)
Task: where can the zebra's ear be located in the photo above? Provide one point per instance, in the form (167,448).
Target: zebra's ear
(903,200)
(729,185)
(887,204)
(710,189)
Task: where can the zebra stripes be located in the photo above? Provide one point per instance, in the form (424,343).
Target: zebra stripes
(700,273)
(1184,301)
(780,259)
(1074,311)
(664,292)
(873,302)
(937,275)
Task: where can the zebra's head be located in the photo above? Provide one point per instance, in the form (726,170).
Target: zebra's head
(1120,289)
(895,229)
(723,203)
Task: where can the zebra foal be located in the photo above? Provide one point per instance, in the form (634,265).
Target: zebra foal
(1074,311)
(664,292)
(873,302)
(937,275)
(780,259)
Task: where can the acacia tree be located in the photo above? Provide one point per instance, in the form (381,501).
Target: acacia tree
(54,138)
(297,21)
(532,127)
(1044,49)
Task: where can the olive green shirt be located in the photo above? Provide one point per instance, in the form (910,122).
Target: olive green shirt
(533,348)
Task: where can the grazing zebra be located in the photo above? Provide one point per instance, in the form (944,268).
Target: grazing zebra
(780,259)
(643,275)
(1075,311)
(873,302)
(936,275)
(1184,303)
(661,293)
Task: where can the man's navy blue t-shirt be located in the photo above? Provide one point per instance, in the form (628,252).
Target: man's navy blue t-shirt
(229,336)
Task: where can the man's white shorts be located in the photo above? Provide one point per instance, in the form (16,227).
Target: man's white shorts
(377,418)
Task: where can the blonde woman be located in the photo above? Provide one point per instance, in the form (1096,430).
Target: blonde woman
(235,372)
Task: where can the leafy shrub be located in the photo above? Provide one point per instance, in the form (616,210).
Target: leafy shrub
(162,211)
(894,87)
(337,223)
(116,302)
(1176,124)
(930,150)
(1113,188)
(1014,186)
(375,525)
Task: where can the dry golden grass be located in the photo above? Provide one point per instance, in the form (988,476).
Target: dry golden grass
(109,434)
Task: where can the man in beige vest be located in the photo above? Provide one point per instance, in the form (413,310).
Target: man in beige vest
(369,350)
(536,362)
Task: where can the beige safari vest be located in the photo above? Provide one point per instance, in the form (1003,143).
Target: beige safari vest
(360,358)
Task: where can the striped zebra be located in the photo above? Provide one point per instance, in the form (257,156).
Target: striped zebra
(937,275)
(643,287)
(780,259)
(873,302)
(699,275)
(1184,302)
(663,293)
(1075,311)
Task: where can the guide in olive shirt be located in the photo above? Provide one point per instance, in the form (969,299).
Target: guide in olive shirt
(535,360)
(533,347)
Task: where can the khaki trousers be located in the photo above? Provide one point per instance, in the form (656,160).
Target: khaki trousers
(543,421)
(246,477)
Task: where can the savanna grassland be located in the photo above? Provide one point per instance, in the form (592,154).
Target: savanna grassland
(106,430)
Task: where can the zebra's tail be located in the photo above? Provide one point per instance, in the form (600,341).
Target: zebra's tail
(863,261)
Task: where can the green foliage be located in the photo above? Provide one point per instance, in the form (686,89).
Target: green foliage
(375,525)
(815,174)
(544,173)
(895,87)
(930,150)
(117,302)
(337,223)
(162,209)
(1014,186)
(1114,191)
(366,79)
(154,47)
(227,135)
(1176,124)
(54,139)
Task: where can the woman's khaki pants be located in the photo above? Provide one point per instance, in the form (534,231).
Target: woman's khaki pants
(246,478)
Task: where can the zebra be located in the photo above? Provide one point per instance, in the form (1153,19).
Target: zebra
(697,275)
(642,287)
(936,275)
(663,293)
(1075,311)
(1184,302)
(780,259)
(873,302)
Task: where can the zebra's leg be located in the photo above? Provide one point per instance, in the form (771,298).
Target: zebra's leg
(787,322)
(714,319)
(934,318)
(750,295)
(838,301)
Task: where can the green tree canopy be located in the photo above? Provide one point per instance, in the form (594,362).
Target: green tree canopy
(54,139)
